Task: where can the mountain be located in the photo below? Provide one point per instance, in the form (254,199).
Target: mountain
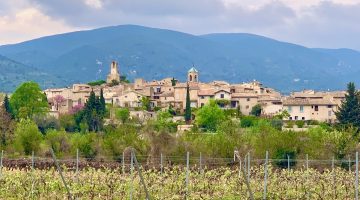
(13,73)
(154,53)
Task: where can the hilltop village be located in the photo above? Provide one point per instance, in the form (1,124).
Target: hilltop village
(169,92)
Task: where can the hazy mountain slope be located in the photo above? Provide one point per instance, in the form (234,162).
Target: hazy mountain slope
(157,53)
(13,73)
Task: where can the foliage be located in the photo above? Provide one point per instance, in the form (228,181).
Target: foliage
(209,116)
(247,121)
(86,143)
(277,123)
(7,126)
(28,100)
(68,123)
(300,123)
(96,83)
(282,115)
(290,124)
(45,123)
(145,103)
(92,114)
(122,114)
(222,102)
(349,111)
(27,137)
(59,141)
(114,83)
(285,157)
(256,110)
(123,79)
(187,115)
(7,106)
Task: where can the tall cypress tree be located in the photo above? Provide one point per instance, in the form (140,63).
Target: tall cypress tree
(102,103)
(187,107)
(349,111)
(7,106)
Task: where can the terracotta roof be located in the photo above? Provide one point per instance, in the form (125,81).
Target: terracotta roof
(208,92)
(245,94)
(294,101)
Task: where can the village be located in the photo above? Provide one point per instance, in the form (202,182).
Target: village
(307,105)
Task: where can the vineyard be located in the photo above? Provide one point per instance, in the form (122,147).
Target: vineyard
(177,182)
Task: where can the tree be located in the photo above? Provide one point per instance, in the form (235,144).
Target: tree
(58,99)
(122,114)
(92,114)
(27,136)
(210,116)
(102,103)
(256,110)
(349,111)
(6,126)
(145,102)
(28,100)
(187,106)
(7,106)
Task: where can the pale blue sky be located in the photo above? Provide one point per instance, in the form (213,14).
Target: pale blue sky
(313,23)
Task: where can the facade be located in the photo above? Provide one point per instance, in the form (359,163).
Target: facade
(303,105)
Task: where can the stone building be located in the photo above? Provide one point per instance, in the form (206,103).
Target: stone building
(114,74)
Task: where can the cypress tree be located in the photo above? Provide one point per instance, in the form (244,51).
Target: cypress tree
(7,106)
(102,103)
(187,107)
(349,111)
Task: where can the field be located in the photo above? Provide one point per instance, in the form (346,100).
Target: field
(217,183)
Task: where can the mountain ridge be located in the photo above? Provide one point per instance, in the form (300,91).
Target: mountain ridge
(154,53)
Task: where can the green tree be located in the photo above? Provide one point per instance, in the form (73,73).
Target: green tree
(7,106)
(122,114)
(102,103)
(187,105)
(210,116)
(28,100)
(27,136)
(349,111)
(59,141)
(92,114)
(145,102)
(256,110)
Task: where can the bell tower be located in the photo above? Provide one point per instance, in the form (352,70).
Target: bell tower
(114,74)
(193,75)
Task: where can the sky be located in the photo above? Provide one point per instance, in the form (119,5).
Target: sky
(312,23)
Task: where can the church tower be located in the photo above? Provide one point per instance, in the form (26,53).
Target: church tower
(114,74)
(193,75)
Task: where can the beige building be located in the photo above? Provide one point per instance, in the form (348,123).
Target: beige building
(114,74)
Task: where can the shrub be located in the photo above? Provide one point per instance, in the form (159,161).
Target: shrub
(86,143)
(45,123)
(300,123)
(58,141)
(277,124)
(281,156)
(290,124)
(247,121)
(27,137)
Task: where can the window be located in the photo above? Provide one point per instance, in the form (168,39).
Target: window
(301,109)
(290,118)
(156,97)
(158,89)
(316,108)
(248,99)
(190,78)
(296,117)
(289,109)
(202,97)
(303,118)
(329,106)
(222,96)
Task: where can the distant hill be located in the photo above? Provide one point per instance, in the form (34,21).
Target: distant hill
(157,53)
(13,73)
